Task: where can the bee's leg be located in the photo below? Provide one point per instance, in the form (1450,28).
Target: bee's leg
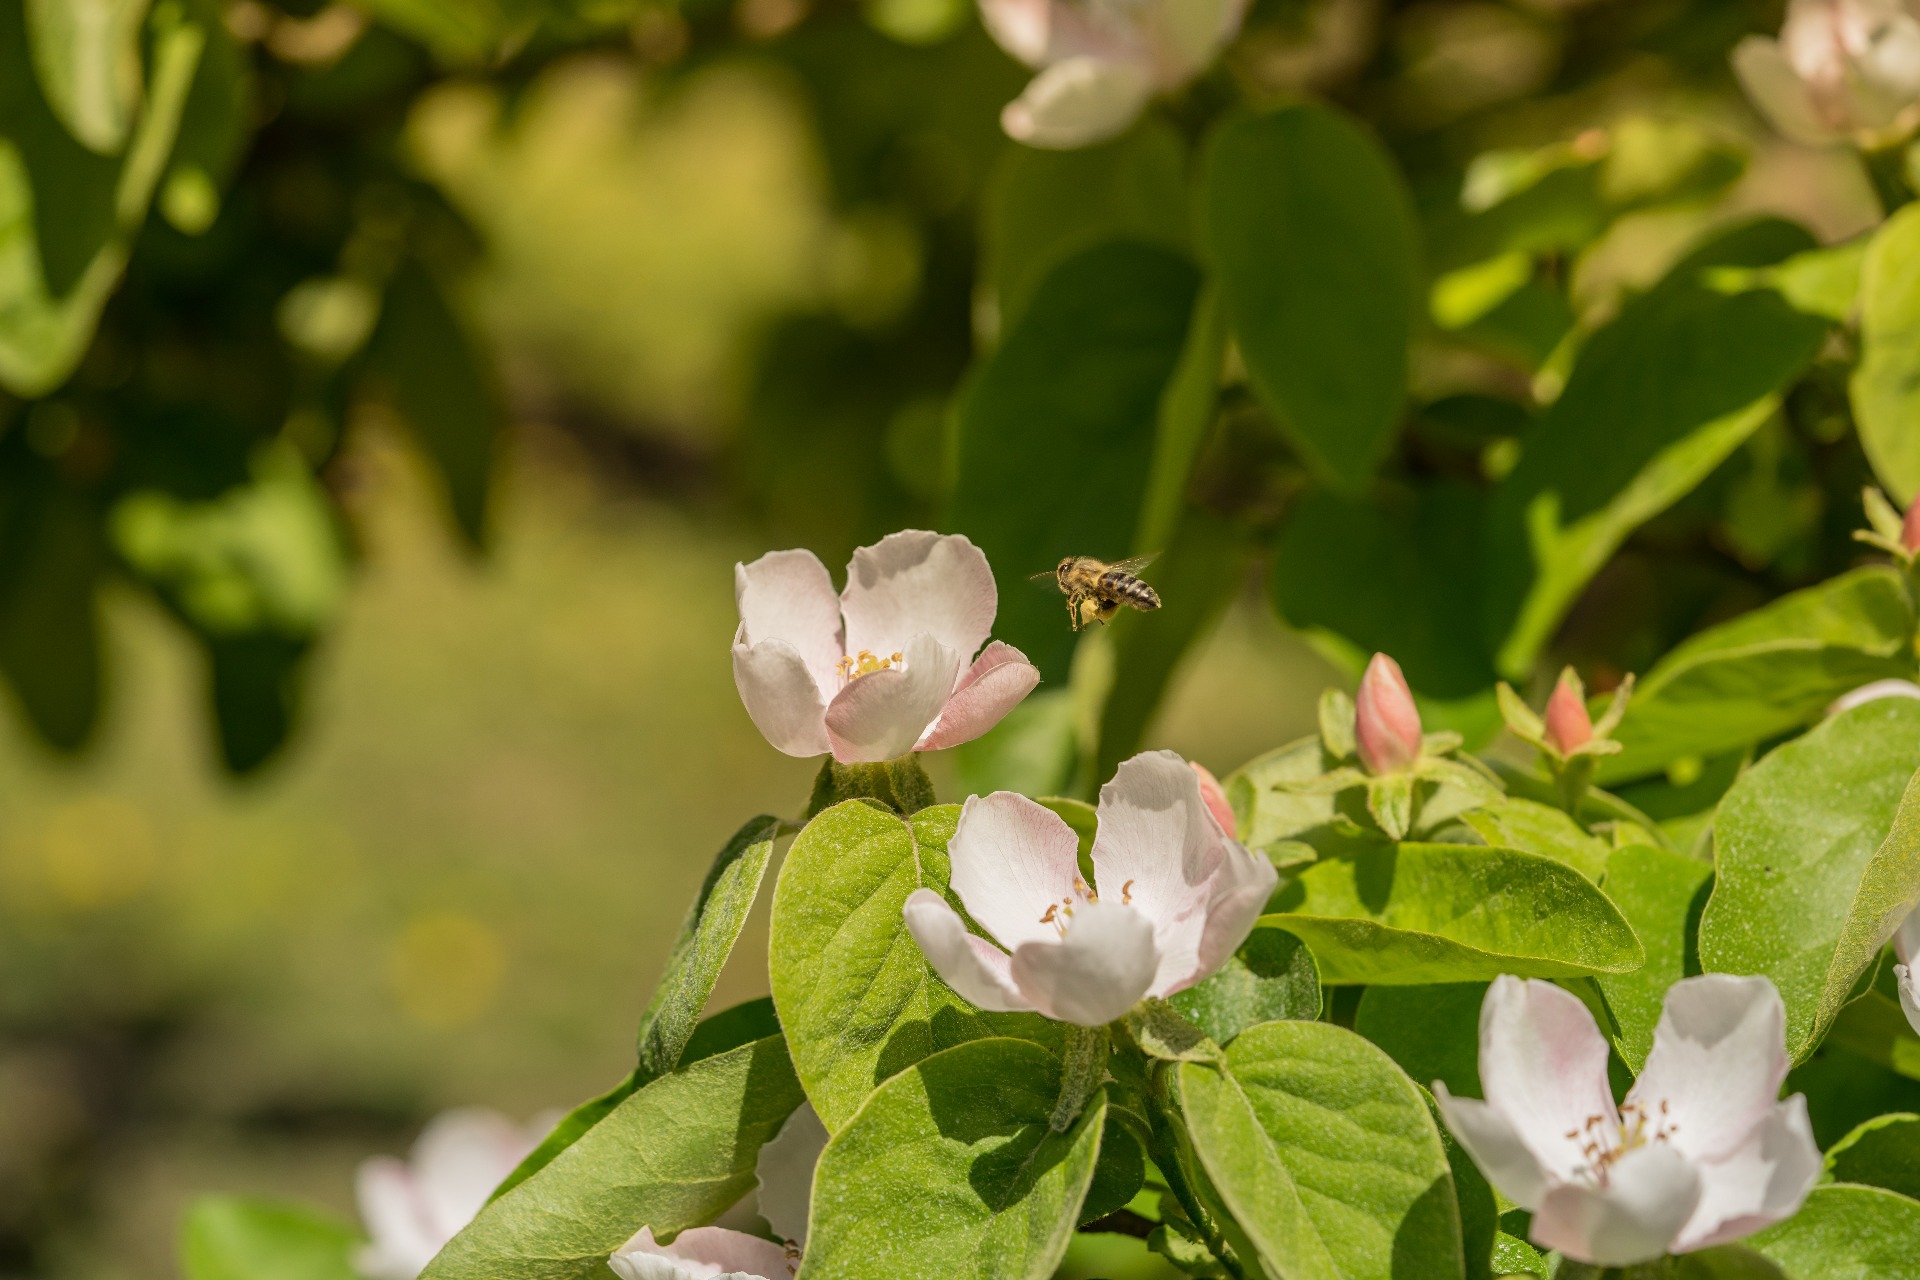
(1073,609)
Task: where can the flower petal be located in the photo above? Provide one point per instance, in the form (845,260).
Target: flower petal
(1906,939)
(1160,849)
(403,1235)
(1719,1055)
(1386,723)
(1019,26)
(1650,1192)
(781,696)
(1097,972)
(1011,860)
(1909,987)
(460,1157)
(916,583)
(880,716)
(980,972)
(1078,102)
(1762,1182)
(1874,691)
(1779,93)
(785,1173)
(1490,1138)
(999,678)
(787,595)
(1216,797)
(1543,1064)
(702,1253)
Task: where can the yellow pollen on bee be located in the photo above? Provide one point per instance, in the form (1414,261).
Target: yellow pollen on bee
(865,663)
(1603,1145)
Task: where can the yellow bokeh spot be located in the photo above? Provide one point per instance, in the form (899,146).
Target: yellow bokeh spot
(445,968)
(97,852)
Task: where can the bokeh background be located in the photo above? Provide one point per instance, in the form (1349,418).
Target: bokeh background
(723,266)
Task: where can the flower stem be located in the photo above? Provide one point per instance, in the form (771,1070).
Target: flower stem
(899,784)
(1083,1067)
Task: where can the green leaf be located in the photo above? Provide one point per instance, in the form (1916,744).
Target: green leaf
(443,383)
(1533,827)
(214,126)
(1722,1262)
(1042,207)
(1424,913)
(1433,1032)
(1270,812)
(51,558)
(1658,398)
(459,33)
(857,998)
(1186,414)
(1514,1256)
(1883,1152)
(672,1156)
(86,56)
(1090,358)
(1119,1174)
(1846,1233)
(1479,1213)
(256,690)
(1875,1027)
(1661,894)
(1326,1154)
(706,939)
(1270,977)
(1818,856)
(232,1238)
(1310,231)
(951,1169)
(1885,388)
(1767,671)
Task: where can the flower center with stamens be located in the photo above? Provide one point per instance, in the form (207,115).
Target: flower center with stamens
(1604,1145)
(1060,914)
(865,663)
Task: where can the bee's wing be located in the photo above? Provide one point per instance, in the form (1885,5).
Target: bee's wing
(1134,565)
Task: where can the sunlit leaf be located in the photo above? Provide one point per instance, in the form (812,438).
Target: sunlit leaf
(232,1238)
(1886,384)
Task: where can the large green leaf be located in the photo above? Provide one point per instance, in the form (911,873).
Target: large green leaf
(1421,913)
(1767,671)
(1661,894)
(1326,1154)
(1270,977)
(86,56)
(1310,231)
(1658,398)
(672,1156)
(1532,827)
(1818,856)
(1847,1233)
(706,939)
(951,1169)
(1432,1032)
(214,125)
(1886,384)
(1883,1152)
(1057,431)
(231,1238)
(857,998)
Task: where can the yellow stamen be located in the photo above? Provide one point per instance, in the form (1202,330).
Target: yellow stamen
(865,663)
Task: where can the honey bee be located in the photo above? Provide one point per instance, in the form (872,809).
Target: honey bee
(1095,589)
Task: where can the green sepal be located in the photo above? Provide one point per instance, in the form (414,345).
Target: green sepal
(901,785)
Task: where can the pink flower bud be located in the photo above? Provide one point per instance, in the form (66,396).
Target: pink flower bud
(1215,796)
(1569,727)
(1910,528)
(1387,724)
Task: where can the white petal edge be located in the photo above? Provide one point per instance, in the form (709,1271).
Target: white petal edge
(1651,1192)
(785,1173)
(977,970)
(916,583)
(788,595)
(460,1157)
(1764,1181)
(1778,92)
(1078,102)
(994,685)
(1909,994)
(1543,1066)
(879,717)
(1011,860)
(781,697)
(1020,27)
(1097,972)
(403,1237)
(1508,1163)
(1719,1055)
(702,1253)
(1873,692)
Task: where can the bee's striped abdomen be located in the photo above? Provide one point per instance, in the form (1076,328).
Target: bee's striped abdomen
(1130,589)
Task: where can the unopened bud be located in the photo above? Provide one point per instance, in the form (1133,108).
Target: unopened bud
(1910,528)
(1569,727)
(1386,724)
(1215,797)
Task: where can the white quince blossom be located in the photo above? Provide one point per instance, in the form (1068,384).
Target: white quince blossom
(1174,896)
(1841,70)
(1101,60)
(412,1207)
(1906,947)
(1702,1152)
(881,668)
(785,1173)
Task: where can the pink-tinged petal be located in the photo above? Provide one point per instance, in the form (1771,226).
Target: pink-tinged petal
(1386,724)
(1650,1193)
(1019,26)
(785,1173)
(1568,725)
(1719,1055)
(1215,796)
(1873,692)
(916,583)
(1763,1181)
(781,697)
(1543,1064)
(1011,861)
(1097,972)
(787,595)
(703,1253)
(880,716)
(994,685)
(980,972)
(1779,93)
(403,1235)
(1079,102)
(1508,1163)
(461,1156)
(1159,848)
(1909,988)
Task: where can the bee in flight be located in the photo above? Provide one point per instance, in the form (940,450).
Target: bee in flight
(1095,589)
